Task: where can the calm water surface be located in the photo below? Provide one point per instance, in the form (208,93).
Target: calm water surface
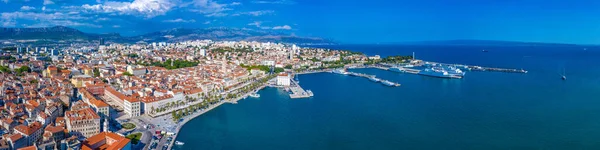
(485,110)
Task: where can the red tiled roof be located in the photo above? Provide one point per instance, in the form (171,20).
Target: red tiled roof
(111,141)
(81,114)
(28,130)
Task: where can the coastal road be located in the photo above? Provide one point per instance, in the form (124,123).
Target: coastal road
(146,138)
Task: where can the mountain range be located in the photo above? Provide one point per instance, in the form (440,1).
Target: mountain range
(62,33)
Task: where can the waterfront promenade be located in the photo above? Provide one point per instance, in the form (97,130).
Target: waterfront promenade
(179,125)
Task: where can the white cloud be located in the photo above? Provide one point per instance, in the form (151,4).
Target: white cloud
(26,8)
(48,2)
(147,8)
(288,2)
(9,23)
(101,19)
(43,19)
(5,1)
(210,8)
(255,23)
(179,20)
(217,14)
(255,13)
(285,27)
(62,23)
(207,22)
(43,8)
(116,26)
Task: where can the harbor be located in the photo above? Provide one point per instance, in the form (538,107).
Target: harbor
(436,69)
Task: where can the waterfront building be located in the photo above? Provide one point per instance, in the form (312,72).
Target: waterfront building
(108,141)
(84,122)
(283,79)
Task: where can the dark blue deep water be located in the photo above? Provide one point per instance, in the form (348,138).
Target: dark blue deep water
(484,110)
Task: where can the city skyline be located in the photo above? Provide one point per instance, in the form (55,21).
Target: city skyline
(351,21)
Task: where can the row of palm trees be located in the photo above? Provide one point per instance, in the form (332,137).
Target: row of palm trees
(209,99)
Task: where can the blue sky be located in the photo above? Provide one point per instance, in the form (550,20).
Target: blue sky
(346,21)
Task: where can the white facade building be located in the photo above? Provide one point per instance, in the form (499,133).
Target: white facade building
(283,79)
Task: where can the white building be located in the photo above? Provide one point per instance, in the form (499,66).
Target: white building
(376,57)
(283,79)
(268,63)
(203,52)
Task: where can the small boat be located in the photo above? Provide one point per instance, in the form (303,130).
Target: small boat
(374,79)
(255,95)
(484,50)
(179,143)
(564,77)
(341,71)
(388,83)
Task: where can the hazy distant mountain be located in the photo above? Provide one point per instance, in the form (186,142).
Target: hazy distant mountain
(483,43)
(52,33)
(171,35)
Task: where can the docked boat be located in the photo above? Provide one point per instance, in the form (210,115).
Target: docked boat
(309,92)
(396,69)
(255,95)
(437,72)
(374,79)
(340,71)
(454,70)
(179,143)
(388,83)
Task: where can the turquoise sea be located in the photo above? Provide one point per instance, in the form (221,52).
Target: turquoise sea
(484,110)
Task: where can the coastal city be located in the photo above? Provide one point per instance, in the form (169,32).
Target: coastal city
(137,96)
(298,75)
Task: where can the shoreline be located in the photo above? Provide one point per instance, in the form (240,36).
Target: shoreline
(193,116)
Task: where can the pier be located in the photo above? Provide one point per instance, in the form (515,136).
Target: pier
(298,92)
(480,68)
(370,77)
